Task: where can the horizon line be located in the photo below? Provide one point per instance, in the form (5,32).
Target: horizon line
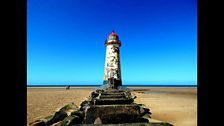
(173,85)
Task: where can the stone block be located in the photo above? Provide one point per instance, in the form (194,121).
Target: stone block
(112,113)
(110,101)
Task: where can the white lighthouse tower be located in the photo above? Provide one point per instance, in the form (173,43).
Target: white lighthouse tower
(112,70)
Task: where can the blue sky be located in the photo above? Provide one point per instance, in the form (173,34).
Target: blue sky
(65,41)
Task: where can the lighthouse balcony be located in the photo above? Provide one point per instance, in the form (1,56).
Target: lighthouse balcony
(113,42)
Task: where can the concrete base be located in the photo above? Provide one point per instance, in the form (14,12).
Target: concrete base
(117,83)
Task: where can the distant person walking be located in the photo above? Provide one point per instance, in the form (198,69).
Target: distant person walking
(68,87)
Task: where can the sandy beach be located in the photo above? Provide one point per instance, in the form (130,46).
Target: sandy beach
(177,106)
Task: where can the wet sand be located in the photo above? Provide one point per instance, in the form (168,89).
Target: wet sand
(177,106)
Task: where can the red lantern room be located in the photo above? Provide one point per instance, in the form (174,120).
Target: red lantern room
(113,38)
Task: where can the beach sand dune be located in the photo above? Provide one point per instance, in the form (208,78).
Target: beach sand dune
(177,106)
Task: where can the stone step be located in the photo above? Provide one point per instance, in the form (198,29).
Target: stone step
(114,90)
(108,114)
(109,101)
(112,96)
(112,93)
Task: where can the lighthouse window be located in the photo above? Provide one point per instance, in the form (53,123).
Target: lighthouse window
(111,37)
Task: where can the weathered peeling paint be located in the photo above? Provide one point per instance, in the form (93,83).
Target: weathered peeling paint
(112,62)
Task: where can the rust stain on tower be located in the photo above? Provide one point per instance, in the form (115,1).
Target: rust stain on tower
(112,70)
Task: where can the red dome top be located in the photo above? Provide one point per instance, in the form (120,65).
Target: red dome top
(113,34)
(112,39)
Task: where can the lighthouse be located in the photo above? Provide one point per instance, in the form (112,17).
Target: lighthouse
(112,70)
